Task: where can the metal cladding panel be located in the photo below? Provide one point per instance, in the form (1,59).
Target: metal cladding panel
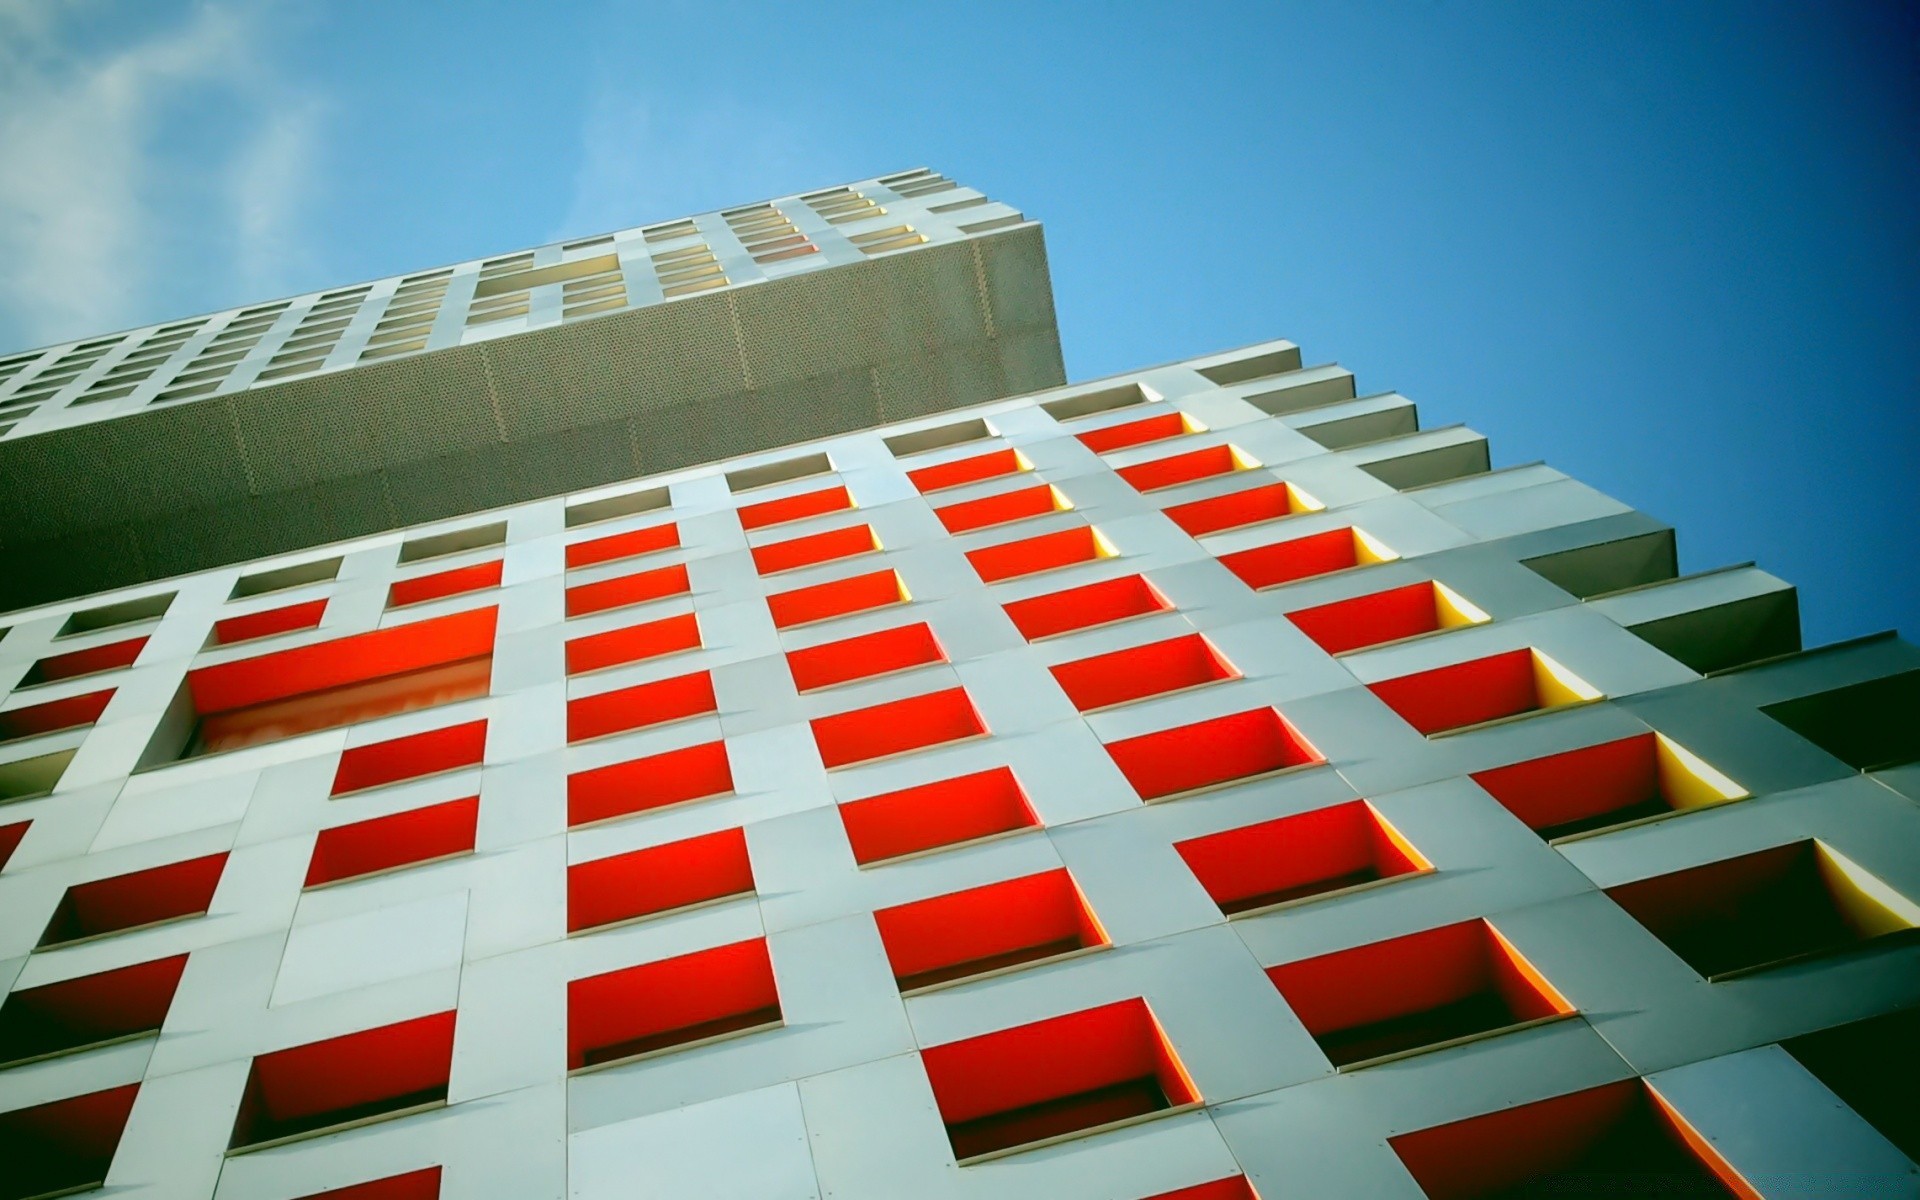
(887,729)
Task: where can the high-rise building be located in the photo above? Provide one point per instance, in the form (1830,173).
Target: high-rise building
(775,741)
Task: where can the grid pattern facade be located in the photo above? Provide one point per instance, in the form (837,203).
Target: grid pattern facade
(1203,784)
(234,351)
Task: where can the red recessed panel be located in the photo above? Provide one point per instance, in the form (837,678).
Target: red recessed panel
(896,727)
(863,657)
(1210,752)
(1086,607)
(1233,510)
(348,1078)
(998,510)
(1150,670)
(1613,780)
(414,1185)
(92,661)
(982,929)
(1009,560)
(65,1146)
(649,639)
(641,705)
(137,898)
(10,838)
(637,588)
(1178,469)
(1134,433)
(411,757)
(384,843)
(441,584)
(945,813)
(655,781)
(351,704)
(1300,558)
(1388,616)
(1618,1139)
(1463,694)
(990,465)
(658,1005)
(439,641)
(802,606)
(1294,857)
(1054,1077)
(1413,991)
(53,716)
(58,1017)
(657,879)
(814,548)
(1234,1187)
(623,545)
(794,508)
(248,626)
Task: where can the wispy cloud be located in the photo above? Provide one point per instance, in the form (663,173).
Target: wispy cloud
(107,213)
(641,160)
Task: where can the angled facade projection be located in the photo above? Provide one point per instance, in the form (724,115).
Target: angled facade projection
(1203,783)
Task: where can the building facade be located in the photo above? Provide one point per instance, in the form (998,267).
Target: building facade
(1203,783)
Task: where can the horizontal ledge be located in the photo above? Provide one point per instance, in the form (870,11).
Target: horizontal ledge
(660,914)
(1241,781)
(140,928)
(1076,1135)
(1892,938)
(341,1127)
(1637,822)
(395,869)
(983,839)
(1010,969)
(1463,1040)
(102,1044)
(1351,889)
(677,1047)
(1511,718)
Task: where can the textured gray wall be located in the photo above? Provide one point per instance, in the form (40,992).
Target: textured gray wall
(326,457)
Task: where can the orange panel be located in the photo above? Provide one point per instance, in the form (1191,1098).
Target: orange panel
(441,584)
(657,1005)
(331,708)
(637,588)
(411,757)
(1009,560)
(1578,784)
(1180,468)
(324,1083)
(998,509)
(1233,510)
(435,642)
(401,839)
(641,705)
(53,716)
(1134,433)
(895,727)
(634,643)
(56,1018)
(1369,620)
(118,902)
(932,815)
(1150,670)
(814,548)
(1085,607)
(1210,752)
(91,661)
(423,1184)
(1301,558)
(980,929)
(639,784)
(623,545)
(1234,1187)
(1292,857)
(803,606)
(249,626)
(1463,694)
(794,508)
(990,465)
(863,657)
(657,879)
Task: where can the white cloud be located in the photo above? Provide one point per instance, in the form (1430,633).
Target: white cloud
(99,216)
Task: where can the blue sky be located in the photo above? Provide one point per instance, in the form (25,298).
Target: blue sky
(1671,248)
